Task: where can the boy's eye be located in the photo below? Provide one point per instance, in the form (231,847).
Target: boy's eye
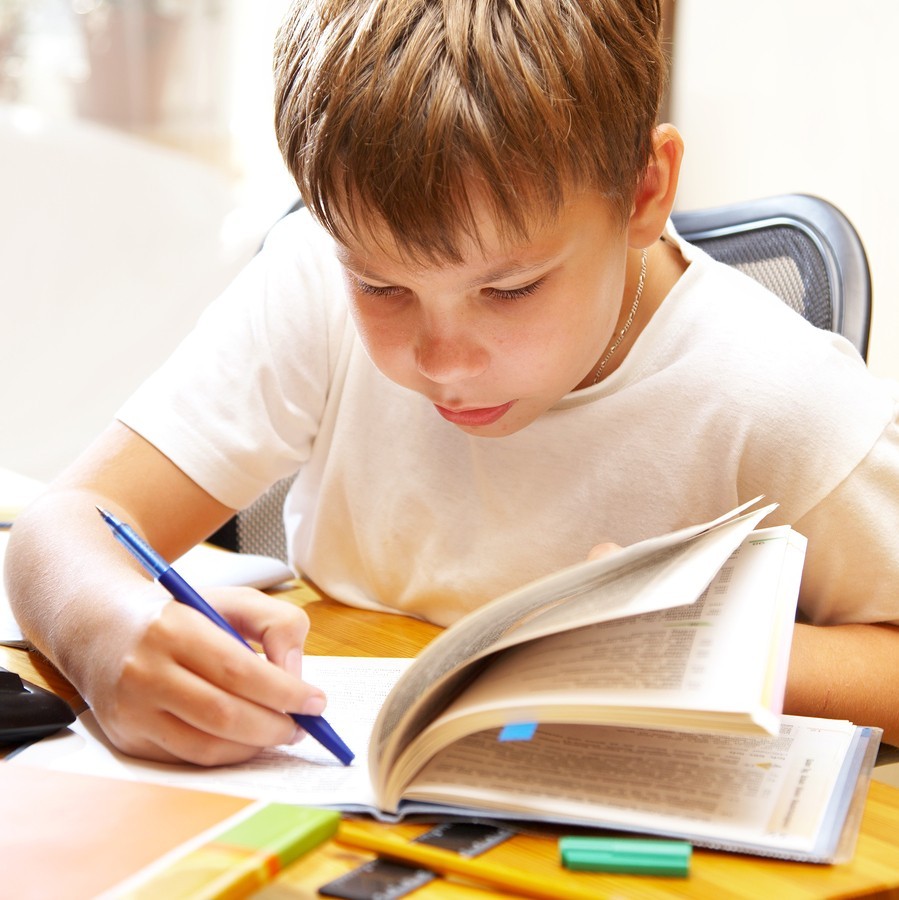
(503,294)
(514,293)
(375,290)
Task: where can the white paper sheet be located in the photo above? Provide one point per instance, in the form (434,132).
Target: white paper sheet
(303,773)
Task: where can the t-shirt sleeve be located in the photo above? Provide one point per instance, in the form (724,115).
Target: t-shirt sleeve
(851,571)
(238,404)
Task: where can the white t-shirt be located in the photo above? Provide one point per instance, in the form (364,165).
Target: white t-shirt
(725,395)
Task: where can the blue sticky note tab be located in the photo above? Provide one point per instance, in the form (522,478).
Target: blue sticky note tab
(519,731)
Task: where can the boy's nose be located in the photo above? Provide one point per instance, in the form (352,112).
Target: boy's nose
(450,358)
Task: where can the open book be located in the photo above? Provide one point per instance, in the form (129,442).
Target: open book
(655,677)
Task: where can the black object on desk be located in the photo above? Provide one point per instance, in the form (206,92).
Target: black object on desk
(28,712)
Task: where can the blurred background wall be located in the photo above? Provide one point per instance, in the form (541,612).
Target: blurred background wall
(780,96)
(138,171)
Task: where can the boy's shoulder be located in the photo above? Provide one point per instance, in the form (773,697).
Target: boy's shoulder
(724,308)
(296,232)
(721,338)
(298,265)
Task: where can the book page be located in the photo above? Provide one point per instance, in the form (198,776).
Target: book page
(713,790)
(656,574)
(706,666)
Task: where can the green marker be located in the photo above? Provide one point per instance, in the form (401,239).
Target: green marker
(635,856)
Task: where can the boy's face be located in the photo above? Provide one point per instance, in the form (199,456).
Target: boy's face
(496,340)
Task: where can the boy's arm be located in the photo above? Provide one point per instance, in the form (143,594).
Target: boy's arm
(846,663)
(846,672)
(163,681)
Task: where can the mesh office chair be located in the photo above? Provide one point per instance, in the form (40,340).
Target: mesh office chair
(260,527)
(800,247)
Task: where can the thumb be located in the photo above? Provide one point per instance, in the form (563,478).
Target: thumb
(604,549)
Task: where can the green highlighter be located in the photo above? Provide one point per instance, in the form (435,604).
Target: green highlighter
(634,856)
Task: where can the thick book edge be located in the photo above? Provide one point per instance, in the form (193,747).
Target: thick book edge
(853,821)
(835,840)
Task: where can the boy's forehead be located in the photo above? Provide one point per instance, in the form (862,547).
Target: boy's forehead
(372,252)
(370,242)
(490,255)
(433,231)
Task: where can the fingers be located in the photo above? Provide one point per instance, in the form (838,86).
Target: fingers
(281,628)
(278,625)
(604,549)
(192,720)
(188,691)
(162,737)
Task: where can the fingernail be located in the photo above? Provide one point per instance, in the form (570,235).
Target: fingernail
(314,705)
(293,662)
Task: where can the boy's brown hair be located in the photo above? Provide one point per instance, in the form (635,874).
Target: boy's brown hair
(405,110)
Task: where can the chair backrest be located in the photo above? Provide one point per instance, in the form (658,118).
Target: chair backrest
(800,247)
(260,527)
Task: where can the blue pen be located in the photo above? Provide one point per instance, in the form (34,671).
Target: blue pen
(184,593)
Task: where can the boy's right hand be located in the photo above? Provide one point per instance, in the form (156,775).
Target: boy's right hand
(164,682)
(175,687)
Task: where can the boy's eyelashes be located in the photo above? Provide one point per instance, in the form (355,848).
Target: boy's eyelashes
(515,293)
(377,290)
(518,293)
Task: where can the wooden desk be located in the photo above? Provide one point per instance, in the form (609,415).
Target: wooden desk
(337,630)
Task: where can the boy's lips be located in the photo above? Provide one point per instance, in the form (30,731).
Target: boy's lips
(472,417)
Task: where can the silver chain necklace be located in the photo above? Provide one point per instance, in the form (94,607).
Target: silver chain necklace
(603,362)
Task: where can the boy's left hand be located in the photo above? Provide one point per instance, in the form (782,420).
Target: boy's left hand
(603,549)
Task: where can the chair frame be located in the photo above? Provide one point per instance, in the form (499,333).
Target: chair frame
(839,244)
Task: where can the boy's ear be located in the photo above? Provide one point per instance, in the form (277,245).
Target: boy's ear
(655,195)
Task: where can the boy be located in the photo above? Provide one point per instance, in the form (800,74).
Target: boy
(484,352)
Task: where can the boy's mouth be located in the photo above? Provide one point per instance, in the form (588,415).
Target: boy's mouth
(474,417)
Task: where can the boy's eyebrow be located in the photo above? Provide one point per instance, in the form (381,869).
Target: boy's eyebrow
(511,270)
